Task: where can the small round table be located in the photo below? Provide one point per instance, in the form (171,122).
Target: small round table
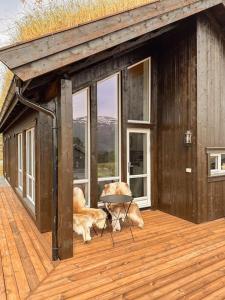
(121,200)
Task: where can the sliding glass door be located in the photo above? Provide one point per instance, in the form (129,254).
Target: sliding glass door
(108,130)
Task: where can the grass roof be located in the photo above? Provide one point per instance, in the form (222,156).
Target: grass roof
(58,15)
(50,16)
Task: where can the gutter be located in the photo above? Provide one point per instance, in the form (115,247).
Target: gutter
(53,115)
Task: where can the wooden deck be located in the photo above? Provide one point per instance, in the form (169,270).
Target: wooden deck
(170,259)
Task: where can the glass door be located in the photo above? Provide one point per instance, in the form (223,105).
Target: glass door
(138,157)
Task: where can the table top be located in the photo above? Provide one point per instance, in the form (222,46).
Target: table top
(116,199)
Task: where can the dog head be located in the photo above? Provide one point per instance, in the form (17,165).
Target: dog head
(78,199)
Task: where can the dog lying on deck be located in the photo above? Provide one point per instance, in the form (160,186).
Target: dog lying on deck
(115,210)
(84,218)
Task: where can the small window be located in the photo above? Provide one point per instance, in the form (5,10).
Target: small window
(216,163)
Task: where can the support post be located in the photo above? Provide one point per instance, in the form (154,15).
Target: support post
(65,171)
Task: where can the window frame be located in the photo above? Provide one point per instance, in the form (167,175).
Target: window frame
(217,153)
(32,175)
(88,180)
(150,89)
(113,178)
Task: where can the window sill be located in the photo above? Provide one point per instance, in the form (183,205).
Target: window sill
(216,178)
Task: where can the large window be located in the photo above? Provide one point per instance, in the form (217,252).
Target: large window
(30,165)
(81,141)
(108,136)
(139,83)
(20,160)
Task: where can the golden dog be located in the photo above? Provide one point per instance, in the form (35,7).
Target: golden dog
(84,217)
(119,210)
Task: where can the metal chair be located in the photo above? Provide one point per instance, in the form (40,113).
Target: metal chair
(108,202)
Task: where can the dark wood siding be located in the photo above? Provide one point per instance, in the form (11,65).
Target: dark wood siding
(42,213)
(65,171)
(211,114)
(176,115)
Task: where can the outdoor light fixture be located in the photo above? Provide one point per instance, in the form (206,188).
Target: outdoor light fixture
(188,137)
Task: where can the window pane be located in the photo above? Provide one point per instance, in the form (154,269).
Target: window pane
(138,92)
(20,162)
(223,162)
(29,153)
(80,135)
(138,187)
(213,163)
(138,155)
(108,127)
(30,187)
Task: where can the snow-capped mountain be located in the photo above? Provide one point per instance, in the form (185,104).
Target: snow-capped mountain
(105,132)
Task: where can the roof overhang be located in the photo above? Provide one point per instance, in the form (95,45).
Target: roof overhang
(35,58)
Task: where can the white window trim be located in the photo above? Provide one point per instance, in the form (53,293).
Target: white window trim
(218,171)
(87,180)
(20,160)
(30,176)
(101,179)
(108,178)
(149,96)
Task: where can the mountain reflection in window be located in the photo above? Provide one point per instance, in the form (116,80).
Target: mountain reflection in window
(80,135)
(107,127)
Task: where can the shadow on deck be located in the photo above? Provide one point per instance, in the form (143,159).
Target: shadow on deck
(170,259)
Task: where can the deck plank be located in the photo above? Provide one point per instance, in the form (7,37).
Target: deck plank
(170,259)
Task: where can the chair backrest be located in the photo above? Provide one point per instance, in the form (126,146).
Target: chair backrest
(116,199)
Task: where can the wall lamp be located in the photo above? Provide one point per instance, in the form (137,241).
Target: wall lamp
(188,137)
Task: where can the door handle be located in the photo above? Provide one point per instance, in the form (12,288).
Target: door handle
(129,166)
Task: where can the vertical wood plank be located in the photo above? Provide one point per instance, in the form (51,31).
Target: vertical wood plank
(65,172)
(93,128)
(124,107)
(154,144)
(44,171)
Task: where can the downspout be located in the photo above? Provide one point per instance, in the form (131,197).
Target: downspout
(39,108)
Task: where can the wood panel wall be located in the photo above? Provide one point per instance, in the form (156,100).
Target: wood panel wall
(42,213)
(176,115)
(210,114)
